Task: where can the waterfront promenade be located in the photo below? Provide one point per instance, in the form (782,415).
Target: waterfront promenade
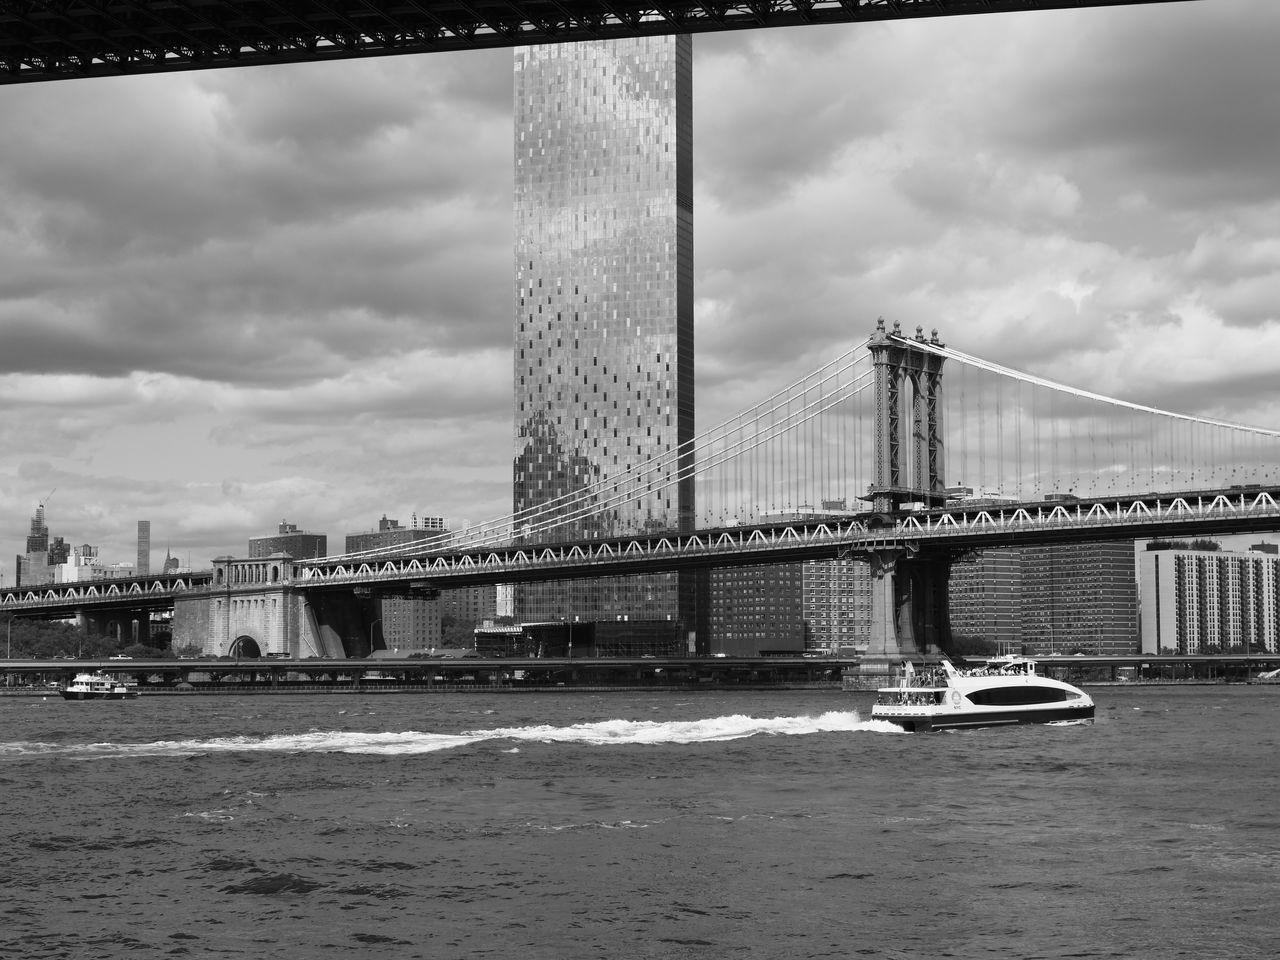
(601,674)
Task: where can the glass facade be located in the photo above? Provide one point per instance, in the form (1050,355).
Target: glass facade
(604,308)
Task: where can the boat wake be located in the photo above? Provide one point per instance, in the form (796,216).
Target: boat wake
(601,733)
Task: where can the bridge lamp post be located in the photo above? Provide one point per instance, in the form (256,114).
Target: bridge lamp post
(8,643)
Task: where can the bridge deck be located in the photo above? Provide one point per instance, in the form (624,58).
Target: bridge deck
(97,38)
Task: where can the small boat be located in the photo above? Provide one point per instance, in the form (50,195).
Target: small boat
(999,691)
(98,686)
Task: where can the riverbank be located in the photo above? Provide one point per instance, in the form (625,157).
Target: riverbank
(245,689)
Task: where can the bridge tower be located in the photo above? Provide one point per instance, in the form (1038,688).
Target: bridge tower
(908,394)
(909,590)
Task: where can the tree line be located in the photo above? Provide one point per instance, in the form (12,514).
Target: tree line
(28,639)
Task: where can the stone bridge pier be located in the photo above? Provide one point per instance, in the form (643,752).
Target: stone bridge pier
(908,608)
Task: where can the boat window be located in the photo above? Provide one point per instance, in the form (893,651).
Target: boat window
(1011,696)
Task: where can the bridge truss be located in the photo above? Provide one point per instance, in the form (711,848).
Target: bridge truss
(959,528)
(44,40)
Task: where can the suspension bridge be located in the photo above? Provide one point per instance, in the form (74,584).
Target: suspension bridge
(850,461)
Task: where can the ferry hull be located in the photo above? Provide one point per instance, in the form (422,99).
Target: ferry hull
(968,720)
(93,695)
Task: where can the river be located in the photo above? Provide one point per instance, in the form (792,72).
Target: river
(636,825)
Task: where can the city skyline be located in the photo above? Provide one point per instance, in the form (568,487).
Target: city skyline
(259,282)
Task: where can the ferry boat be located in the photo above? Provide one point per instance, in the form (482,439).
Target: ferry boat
(98,686)
(999,691)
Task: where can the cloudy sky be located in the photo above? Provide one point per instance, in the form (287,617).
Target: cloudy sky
(229,298)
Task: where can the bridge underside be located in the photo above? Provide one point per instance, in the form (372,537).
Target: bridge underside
(124,625)
(100,38)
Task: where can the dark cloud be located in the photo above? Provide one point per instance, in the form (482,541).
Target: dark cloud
(263,226)
(1175,101)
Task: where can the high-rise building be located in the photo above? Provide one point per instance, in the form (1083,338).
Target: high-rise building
(34,568)
(837,605)
(984,600)
(757,610)
(143,567)
(298,544)
(1080,598)
(38,538)
(604,305)
(1202,601)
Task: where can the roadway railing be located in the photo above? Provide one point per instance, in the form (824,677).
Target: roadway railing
(954,529)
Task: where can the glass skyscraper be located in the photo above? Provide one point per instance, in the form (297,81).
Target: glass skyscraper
(604,307)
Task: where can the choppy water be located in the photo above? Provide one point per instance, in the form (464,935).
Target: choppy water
(753,825)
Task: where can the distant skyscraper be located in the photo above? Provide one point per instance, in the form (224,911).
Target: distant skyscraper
(38,538)
(36,568)
(143,567)
(604,313)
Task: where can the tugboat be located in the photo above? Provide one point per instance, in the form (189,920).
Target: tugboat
(98,686)
(1002,690)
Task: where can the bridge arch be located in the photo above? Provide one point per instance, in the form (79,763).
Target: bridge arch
(244,647)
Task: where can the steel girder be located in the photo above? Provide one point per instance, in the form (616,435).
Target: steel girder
(44,40)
